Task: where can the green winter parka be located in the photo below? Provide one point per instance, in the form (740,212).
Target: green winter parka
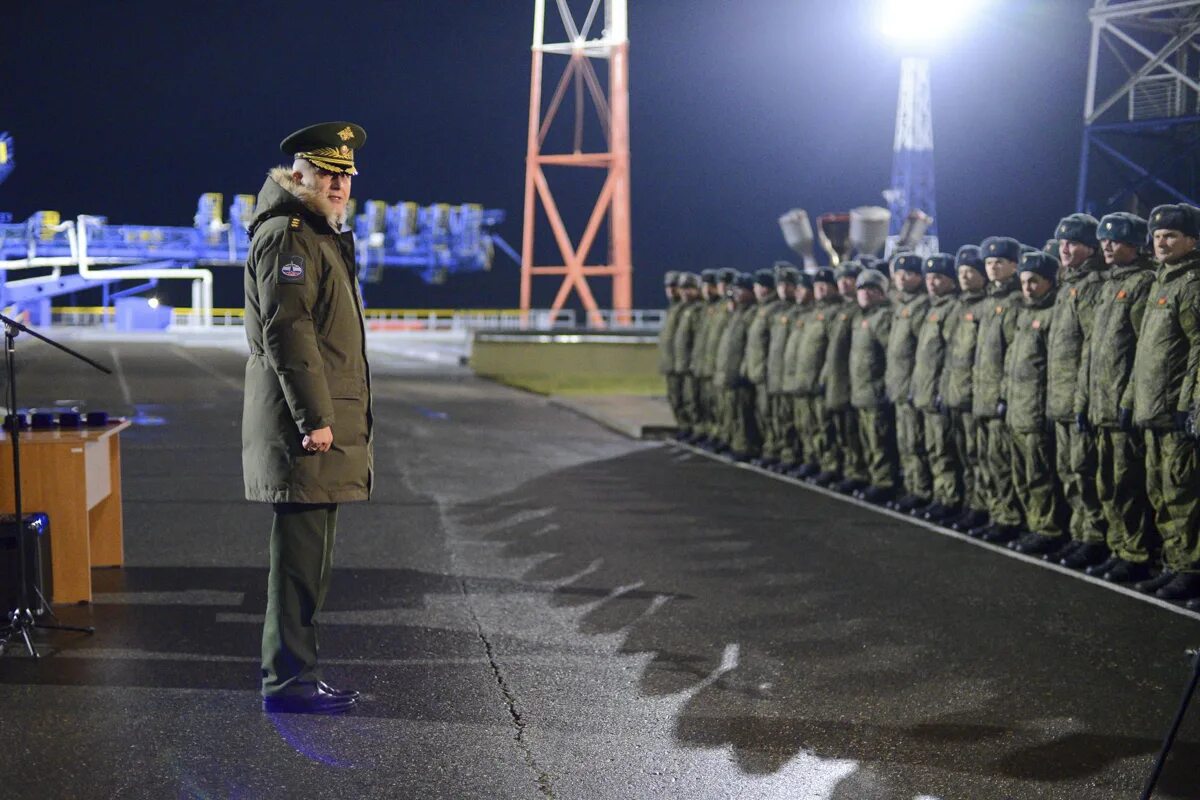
(687,326)
(936,330)
(1070,333)
(997,325)
(308,360)
(902,346)
(957,387)
(1026,365)
(868,357)
(666,338)
(758,340)
(836,370)
(731,350)
(1168,346)
(781,328)
(812,342)
(791,380)
(702,364)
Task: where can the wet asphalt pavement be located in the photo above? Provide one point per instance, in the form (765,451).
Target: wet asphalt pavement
(536,607)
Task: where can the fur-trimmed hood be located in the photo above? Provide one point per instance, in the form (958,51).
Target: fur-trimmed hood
(270,201)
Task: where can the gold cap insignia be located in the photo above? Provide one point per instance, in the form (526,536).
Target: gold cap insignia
(345,150)
(992,248)
(345,134)
(1108,225)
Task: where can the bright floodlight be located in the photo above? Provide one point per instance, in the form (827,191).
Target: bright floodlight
(152,302)
(924,21)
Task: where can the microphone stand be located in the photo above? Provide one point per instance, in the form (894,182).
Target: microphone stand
(1179,715)
(21,619)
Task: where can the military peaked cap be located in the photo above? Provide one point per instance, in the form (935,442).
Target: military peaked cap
(327,145)
(1078,228)
(1121,226)
(1041,263)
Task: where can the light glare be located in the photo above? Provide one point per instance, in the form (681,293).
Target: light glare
(152,302)
(924,21)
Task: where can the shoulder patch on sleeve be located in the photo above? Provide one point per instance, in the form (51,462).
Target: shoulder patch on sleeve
(290,267)
(294,222)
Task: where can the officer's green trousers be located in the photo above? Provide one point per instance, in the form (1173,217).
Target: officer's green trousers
(910,442)
(1034,481)
(691,403)
(1077,465)
(944,466)
(810,428)
(1121,489)
(710,396)
(966,450)
(1173,487)
(877,437)
(847,451)
(764,420)
(741,429)
(675,397)
(994,441)
(784,447)
(301,548)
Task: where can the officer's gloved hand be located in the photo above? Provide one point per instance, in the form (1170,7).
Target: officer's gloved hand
(1001,409)
(1125,419)
(1183,421)
(939,405)
(1081,423)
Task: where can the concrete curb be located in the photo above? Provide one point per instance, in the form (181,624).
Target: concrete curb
(633,428)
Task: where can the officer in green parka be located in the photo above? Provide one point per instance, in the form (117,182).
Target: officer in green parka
(1026,386)
(927,390)
(306,421)
(1071,331)
(1164,399)
(997,326)
(1104,376)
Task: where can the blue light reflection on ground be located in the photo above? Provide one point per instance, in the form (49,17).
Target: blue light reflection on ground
(310,740)
(431,414)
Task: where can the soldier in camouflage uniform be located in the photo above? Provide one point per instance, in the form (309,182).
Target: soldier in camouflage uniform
(842,416)
(911,302)
(666,345)
(715,435)
(711,298)
(687,325)
(825,317)
(1104,376)
(804,365)
(1070,333)
(868,393)
(776,434)
(1026,387)
(997,326)
(758,347)
(941,282)
(793,456)
(739,430)
(1164,401)
(957,387)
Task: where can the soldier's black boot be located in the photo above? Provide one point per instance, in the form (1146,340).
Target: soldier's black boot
(942,514)
(909,502)
(1104,566)
(1152,585)
(1002,534)
(1034,544)
(1127,572)
(973,518)
(848,486)
(1055,556)
(877,494)
(807,471)
(826,478)
(1184,586)
(1086,555)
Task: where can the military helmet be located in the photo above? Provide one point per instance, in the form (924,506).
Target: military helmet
(849,269)
(824,275)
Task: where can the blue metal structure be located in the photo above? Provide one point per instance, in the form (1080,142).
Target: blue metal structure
(6,155)
(1142,109)
(435,241)
(912,191)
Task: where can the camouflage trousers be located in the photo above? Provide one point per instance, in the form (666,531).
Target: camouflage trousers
(845,457)
(877,438)
(910,442)
(1173,488)
(1077,466)
(675,397)
(1121,490)
(811,427)
(764,420)
(691,403)
(993,441)
(710,402)
(1035,483)
(786,446)
(740,429)
(966,452)
(945,468)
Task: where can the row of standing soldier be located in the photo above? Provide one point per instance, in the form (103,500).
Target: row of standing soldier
(1040,399)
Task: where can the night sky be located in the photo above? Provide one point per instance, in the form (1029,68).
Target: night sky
(740,110)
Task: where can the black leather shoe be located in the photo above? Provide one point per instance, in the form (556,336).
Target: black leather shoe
(1055,556)
(1002,534)
(877,494)
(941,513)
(350,693)
(970,519)
(919,511)
(807,471)
(1034,544)
(1086,555)
(981,531)
(1104,566)
(827,478)
(1184,586)
(1152,585)
(909,502)
(314,701)
(1127,572)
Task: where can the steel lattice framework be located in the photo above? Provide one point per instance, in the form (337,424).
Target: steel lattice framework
(912,155)
(613,114)
(1142,108)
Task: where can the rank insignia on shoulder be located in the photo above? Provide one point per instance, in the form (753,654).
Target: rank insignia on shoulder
(294,222)
(291,268)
